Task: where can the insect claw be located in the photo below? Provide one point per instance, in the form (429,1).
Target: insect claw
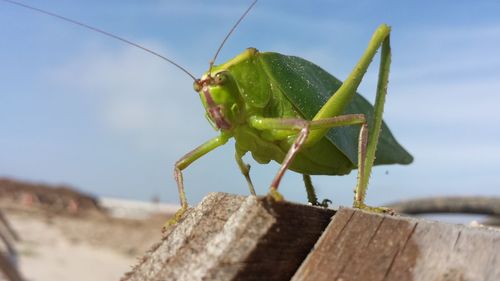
(325,203)
(274,195)
(174,220)
(380,210)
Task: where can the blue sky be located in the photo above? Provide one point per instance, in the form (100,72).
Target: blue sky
(86,110)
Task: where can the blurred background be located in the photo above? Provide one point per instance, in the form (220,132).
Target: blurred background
(82,109)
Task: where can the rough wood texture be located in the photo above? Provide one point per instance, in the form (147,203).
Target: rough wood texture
(230,237)
(363,246)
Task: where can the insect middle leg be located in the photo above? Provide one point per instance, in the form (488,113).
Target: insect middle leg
(305,127)
(245,170)
(312,198)
(311,193)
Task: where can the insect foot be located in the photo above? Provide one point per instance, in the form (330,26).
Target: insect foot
(325,203)
(380,210)
(174,220)
(274,195)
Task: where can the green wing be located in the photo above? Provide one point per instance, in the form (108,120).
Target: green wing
(308,87)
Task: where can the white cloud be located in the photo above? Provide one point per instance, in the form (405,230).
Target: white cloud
(136,95)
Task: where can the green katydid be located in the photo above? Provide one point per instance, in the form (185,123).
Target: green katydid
(283,108)
(287,109)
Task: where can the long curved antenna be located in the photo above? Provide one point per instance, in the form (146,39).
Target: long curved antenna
(102,32)
(228,34)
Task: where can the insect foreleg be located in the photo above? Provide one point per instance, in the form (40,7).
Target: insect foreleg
(245,170)
(183,163)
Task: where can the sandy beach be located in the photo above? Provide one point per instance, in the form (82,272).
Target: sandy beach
(88,246)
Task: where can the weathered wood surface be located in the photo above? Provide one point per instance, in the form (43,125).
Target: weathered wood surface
(230,237)
(370,247)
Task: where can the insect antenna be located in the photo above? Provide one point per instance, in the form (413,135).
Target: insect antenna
(81,24)
(229,34)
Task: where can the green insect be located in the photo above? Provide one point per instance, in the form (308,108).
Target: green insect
(288,110)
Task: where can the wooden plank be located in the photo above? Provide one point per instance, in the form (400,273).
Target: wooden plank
(365,246)
(230,237)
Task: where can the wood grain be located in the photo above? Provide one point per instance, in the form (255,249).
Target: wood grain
(229,237)
(364,246)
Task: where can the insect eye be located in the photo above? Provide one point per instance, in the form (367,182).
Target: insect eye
(220,78)
(197,86)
